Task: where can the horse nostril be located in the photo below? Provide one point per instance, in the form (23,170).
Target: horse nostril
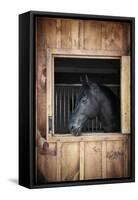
(72,127)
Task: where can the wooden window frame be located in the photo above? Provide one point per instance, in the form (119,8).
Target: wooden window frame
(125,89)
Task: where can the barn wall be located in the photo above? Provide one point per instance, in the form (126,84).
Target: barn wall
(92,158)
(75,34)
(100,158)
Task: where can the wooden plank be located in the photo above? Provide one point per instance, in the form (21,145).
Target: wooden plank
(103,159)
(126,157)
(88,137)
(47,167)
(58,33)
(112,36)
(49,90)
(93,160)
(66,34)
(70,161)
(75,33)
(51,33)
(70,33)
(59,160)
(115,159)
(81,160)
(126,38)
(92,35)
(129,155)
(125,94)
(81,34)
(40,66)
(91,53)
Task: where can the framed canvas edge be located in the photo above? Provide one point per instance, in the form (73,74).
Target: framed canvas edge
(31,139)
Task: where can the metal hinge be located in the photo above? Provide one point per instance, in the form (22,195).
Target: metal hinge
(50,124)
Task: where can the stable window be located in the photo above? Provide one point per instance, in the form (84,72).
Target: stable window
(64,70)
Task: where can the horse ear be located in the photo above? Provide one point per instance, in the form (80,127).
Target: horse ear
(86,78)
(81,80)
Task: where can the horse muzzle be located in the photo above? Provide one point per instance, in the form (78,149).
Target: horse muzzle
(75,130)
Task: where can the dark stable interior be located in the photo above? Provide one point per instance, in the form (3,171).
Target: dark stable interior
(68,85)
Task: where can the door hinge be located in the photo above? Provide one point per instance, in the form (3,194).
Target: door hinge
(50,124)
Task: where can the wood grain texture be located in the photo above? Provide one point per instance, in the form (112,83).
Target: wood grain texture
(112,36)
(47,166)
(104,166)
(70,161)
(93,160)
(58,29)
(82,156)
(70,34)
(92,35)
(59,160)
(125,94)
(115,159)
(51,33)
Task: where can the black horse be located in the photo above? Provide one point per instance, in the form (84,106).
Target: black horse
(96,100)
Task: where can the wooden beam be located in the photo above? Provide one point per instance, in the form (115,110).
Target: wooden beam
(81,160)
(103,159)
(125,94)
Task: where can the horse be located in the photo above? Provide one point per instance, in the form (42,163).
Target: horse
(95,100)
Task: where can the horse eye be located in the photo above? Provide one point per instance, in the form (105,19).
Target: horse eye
(84,100)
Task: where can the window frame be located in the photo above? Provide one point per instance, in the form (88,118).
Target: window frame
(124,89)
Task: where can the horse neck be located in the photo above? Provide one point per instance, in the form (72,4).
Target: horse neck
(106,113)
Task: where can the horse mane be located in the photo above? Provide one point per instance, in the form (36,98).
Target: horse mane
(111,96)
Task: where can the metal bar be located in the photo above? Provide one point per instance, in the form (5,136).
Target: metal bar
(68,105)
(79,85)
(60,109)
(72,100)
(64,103)
(56,110)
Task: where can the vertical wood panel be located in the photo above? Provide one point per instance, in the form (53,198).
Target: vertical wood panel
(59,160)
(103,159)
(81,160)
(40,66)
(125,94)
(126,157)
(58,27)
(115,159)
(51,33)
(93,160)
(47,166)
(81,34)
(70,161)
(112,36)
(126,38)
(66,34)
(75,34)
(70,34)
(92,35)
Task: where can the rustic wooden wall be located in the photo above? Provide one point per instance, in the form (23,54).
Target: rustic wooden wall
(75,34)
(85,35)
(96,157)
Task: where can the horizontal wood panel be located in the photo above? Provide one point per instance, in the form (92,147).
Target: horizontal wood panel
(88,137)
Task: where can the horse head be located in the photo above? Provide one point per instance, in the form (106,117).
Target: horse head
(87,107)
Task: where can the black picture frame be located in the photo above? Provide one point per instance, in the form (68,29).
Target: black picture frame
(27,116)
